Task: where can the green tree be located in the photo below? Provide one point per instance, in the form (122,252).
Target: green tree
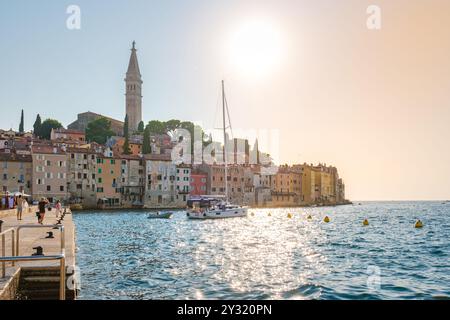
(141,127)
(99,130)
(157,127)
(126,146)
(21,125)
(126,134)
(146,146)
(37,126)
(47,126)
(126,127)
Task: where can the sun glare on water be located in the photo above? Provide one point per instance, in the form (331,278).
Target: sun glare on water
(256,48)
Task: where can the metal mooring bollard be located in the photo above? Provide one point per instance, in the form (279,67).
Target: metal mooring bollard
(39,251)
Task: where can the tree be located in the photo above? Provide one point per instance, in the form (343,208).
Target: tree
(146,146)
(157,127)
(37,126)
(126,146)
(21,125)
(141,127)
(126,134)
(126,127)
(99,130)
(47,126)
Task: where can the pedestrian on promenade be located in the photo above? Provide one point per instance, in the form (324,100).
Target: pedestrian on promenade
(11,202)
(58,208)
(20,204)
(42,204)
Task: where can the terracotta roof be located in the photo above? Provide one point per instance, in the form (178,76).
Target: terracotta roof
(158,157)
(69,131)
(44,149)
(15,157)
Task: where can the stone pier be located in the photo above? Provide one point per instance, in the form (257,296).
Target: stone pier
(37,279)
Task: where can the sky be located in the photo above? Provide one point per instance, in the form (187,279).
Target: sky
(373,103)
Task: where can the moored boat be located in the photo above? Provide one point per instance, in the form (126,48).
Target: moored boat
(160,215)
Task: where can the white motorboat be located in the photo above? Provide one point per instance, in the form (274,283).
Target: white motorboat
(160,215)
(214,208)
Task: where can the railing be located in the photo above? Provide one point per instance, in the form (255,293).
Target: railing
(61,257)
(3,235)
(62,268)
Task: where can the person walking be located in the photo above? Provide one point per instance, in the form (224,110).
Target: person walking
(42,204)
(20,204)
(57,208)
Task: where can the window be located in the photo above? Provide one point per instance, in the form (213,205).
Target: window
(21,178)
(5,164)
(99,170)
(49,188)
(99,189)
(72,156)
(85,156)
(100,180)
(48,163)
(79,186)
(61,188)
(113,161)
(5,176)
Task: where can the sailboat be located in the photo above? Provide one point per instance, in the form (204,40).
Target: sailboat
(210,207)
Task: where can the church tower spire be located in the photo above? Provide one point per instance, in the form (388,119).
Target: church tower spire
(133,82)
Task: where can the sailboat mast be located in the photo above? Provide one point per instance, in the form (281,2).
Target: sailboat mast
(224,140)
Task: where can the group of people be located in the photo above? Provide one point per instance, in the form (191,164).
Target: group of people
(20,203)
(10,201)
(45,204)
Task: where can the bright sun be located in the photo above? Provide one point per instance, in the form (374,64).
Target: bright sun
(256,48)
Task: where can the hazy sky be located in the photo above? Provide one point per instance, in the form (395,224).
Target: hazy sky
(376,104)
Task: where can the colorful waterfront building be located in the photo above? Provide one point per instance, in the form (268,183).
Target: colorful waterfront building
(198,183)
(160,181)
(108,184)
(15,172)
(287,186)
(183,184)
(49,174)
(133,180)
(82,176)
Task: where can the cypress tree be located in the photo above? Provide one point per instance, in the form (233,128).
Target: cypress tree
(126,145)
(21,125)
(146,147)
(37,126)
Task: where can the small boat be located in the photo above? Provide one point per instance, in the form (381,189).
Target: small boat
(160,215)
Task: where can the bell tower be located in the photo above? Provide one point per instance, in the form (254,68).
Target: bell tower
(133,82)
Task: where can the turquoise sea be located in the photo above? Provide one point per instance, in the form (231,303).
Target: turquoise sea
(124,255)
